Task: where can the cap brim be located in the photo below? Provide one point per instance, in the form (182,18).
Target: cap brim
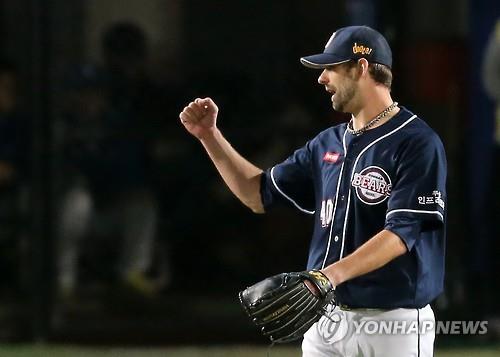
(321,60)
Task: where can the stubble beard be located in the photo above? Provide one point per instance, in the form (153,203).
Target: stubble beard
(342,98)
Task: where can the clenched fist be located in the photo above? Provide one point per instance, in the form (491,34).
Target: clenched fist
(200,117)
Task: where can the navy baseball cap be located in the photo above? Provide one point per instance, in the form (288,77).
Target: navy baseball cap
(352,43)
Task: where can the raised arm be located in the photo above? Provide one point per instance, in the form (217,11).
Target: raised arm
(242,177)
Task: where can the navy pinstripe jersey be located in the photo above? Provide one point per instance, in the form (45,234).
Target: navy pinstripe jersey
(390,177)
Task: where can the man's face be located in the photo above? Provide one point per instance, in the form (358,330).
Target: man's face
(340,81)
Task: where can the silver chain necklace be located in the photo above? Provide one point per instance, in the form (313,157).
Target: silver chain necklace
(384,113)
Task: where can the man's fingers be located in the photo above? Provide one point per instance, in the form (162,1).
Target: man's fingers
(183,117)
(187,116)
(191,114)
(208,104)
(201,103)
(196,108)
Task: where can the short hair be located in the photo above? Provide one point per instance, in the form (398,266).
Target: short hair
(379,72)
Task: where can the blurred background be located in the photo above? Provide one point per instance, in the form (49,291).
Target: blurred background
(116,230)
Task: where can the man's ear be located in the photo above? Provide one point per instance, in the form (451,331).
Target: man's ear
(363,67)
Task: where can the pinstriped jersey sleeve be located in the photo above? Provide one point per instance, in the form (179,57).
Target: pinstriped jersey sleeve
(418,196)
(290,182)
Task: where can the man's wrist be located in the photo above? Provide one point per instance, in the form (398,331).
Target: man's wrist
(334,273)
(212,134)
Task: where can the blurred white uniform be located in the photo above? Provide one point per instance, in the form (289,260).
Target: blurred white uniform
(360,332)
(132,217)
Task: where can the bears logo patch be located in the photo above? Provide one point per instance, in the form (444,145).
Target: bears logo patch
(372,185)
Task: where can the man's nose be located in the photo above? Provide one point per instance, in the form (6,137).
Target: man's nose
(323,78)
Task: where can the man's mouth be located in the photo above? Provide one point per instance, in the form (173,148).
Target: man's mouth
(331,91)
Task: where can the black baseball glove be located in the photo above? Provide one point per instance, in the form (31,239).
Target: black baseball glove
(283,307)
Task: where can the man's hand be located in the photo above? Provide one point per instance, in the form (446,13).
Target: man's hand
(200,117)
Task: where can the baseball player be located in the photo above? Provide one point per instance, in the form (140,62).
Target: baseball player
(376,188)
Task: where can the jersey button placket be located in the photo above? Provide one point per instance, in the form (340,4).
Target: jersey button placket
(344,190)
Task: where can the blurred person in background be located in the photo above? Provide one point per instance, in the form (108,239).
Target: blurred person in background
(14,131)
(491,75)
(491,82)
(149,95)
(109,121)
(14,169)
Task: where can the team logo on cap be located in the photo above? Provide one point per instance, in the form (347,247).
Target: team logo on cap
(372,185)
(361,49)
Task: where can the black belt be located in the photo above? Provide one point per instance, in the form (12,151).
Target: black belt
(344,307)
